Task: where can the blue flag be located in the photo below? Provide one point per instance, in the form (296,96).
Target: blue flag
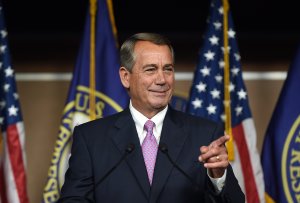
(178,102)
(281,149)
(110,96)
(207,100)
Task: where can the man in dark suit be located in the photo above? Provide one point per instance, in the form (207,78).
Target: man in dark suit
(149,152)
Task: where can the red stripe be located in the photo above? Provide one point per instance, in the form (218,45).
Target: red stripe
(16,160)
(3,197)
(250,185)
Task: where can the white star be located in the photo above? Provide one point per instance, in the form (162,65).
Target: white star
(235,71)
(16,96)
(9,72)
(211,109)
(215,93)
(222,64)
(3,33)
(201,87)
(217,25)
(238,110)
(1,120)
(231,33)
(228,49)
(209,55)
(223,117)
(205,71)
(214,40)
(2,49)
(6,87)
(242,94)
(231,87)
(12,111)
(219,78)
(197,103)
(221,10)
(237,56)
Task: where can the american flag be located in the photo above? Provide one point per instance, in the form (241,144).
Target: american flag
(207,100)
(12,138)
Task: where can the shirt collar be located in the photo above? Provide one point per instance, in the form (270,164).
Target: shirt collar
(140,120)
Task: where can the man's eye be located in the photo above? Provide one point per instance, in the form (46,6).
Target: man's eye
(150,69)
(169,69)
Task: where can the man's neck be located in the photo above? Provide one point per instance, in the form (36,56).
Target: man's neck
(149,114)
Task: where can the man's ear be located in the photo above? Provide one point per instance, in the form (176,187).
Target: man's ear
(125,77)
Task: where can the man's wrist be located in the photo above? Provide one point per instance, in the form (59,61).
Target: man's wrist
(218,183)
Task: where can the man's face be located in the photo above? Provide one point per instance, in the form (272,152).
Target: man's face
(151,81)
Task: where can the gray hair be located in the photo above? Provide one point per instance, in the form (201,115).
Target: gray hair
(127,56)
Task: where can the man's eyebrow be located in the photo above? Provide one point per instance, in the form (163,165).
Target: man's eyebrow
(150,65)
(169,64)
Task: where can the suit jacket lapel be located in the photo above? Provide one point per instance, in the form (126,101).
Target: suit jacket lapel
(126,133)
(173,136)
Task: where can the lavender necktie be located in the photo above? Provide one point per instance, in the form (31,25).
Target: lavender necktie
(149,148)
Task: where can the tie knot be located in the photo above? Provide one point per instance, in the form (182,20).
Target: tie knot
(149,126)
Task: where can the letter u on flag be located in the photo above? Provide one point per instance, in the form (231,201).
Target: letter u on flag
(218,93)
(95,90)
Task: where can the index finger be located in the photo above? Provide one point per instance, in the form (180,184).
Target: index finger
(221,141)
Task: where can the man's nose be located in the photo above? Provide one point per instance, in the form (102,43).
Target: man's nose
(160,78)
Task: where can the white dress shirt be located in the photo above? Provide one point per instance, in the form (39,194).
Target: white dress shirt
(140,120)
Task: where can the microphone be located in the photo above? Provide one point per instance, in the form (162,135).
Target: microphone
(129,149)
(164,149)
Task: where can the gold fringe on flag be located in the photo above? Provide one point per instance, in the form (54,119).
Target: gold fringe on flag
(227,106)
(112,20)
(268,199)
(93,9)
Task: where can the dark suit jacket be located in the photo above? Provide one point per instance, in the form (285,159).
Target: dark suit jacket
(100,144)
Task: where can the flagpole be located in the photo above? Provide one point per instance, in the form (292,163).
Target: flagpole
(93,9)
(228,129)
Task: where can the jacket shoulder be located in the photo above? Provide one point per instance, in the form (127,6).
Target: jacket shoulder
(192,119)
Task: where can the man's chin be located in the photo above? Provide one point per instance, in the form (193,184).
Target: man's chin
(159,106)
(158,102)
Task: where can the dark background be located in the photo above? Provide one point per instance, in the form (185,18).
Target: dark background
(50,31)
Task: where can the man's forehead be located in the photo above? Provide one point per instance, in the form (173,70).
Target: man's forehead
(143,46)
(148,49)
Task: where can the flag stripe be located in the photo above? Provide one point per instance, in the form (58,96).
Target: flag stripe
(250,135)
(16,160)
(249,180)
(10,184)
